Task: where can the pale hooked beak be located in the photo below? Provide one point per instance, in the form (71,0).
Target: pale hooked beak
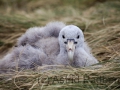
(70,48)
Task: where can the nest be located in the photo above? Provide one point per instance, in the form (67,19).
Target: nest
(106,76)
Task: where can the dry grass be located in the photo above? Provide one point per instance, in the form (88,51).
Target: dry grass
(101,26)
(93,78)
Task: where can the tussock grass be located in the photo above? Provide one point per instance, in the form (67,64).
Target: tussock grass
(105,77)
(101,27)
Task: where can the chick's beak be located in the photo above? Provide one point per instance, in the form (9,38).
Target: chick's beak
(70,49)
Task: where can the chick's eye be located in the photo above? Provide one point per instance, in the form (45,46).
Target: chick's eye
(78,37)
(63,36)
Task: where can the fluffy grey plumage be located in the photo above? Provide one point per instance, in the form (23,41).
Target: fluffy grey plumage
(55,43)
(82,55)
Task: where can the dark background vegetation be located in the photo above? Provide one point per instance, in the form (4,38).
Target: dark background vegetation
(99,20)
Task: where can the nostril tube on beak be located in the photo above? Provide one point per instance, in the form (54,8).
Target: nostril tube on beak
(70,46)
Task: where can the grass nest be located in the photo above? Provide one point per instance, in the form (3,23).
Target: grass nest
(94,77)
